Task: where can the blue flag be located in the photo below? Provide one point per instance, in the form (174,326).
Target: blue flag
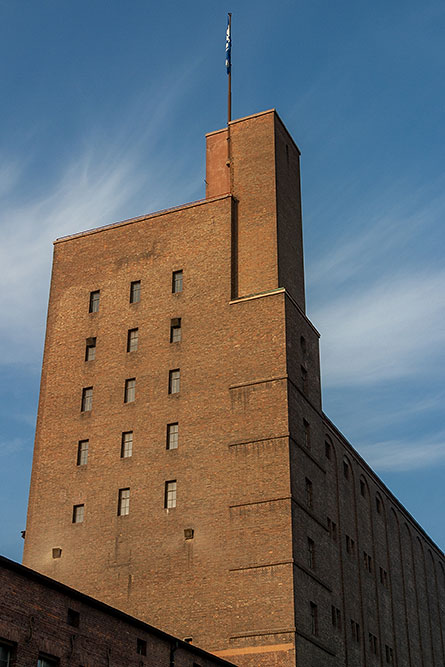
(228,47)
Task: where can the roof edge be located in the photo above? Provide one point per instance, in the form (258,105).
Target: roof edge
(140,218)
(102,606)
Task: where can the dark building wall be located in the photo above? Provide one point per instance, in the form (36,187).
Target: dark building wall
(290,562)
(34,621)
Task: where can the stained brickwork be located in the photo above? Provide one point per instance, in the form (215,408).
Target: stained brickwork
(294,559)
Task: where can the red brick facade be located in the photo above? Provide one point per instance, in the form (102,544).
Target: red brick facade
(40,617)
(291,562)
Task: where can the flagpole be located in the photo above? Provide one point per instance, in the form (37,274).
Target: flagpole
(229,72)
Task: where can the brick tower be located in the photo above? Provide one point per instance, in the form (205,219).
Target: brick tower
(183,469)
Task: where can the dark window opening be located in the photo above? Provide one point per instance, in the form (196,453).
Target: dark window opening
(311,553)
(307,433)
(175,330)
(314,618)
(172,435)
(87,399)
(130,390)
(367,562)
(350,545)
(327,449)
(135,291)
(82,452)
(132,340)
(73,618)
(90,349)
(309,494)
(141,647)
(177,282)
(174,381)
(94,301)
(123,507)
(336,617)
(378,505)
(78,513)
(332,528)
(127,445)
(304,380)
(47,661)
(373,645)
(355,631)
(170,494)
(7,653)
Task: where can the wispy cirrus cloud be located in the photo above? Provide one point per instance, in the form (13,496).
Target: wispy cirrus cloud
(390,330)
(113,174)
(404,455)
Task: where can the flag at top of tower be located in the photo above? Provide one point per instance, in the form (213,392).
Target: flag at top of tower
(228,46)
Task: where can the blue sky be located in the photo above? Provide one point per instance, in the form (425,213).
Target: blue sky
(104,110)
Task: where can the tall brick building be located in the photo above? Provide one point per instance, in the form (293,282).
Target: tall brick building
(184,471)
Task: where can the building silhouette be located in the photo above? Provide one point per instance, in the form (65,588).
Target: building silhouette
(184,471)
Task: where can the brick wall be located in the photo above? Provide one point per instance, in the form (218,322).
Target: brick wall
(34,620)
(254,481)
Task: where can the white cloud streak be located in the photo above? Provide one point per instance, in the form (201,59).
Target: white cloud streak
(112,176)
(402,456)
(391,330)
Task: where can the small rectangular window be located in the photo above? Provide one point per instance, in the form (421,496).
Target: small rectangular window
(307,433)
(174,378)
(378,505)
(57,553)
(355,631)
(123,507)
(177,282)
(141,647)
(132,340)
(327,449)
(311,553)
(73,618)
(47,661)
(78,513)
(314,618)
(94,301)
(87,399)
(350,545)
(362,488)
(304,383)
(332,528)
(367,562)
(389,653)
(170,494)
(336,617)
(127,444)
(82,453)
(373,645)
(130,390)
(346,469)
(6,656)
(175,330)
(90,349)
(172,435)
(135,291)
(309,494)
